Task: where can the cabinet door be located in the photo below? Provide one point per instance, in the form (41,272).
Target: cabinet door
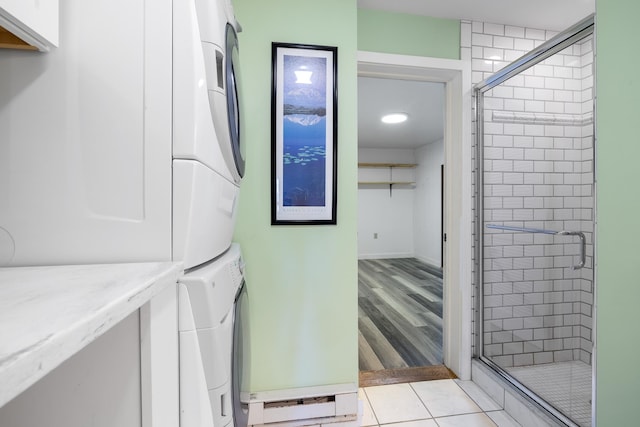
(33,22)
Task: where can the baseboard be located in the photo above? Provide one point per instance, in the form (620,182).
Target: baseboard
(430,261)
(330,404)
(386,255)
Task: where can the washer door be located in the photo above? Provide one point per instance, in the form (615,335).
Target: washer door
(233,107)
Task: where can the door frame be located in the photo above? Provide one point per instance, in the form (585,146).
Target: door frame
(457,284)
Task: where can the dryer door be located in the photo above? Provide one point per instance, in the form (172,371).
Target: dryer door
(232,92)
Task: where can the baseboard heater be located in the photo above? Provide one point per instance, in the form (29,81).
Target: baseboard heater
(303,406)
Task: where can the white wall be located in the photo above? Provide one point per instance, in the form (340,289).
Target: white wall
(428,203)
(407,219)
(390,216)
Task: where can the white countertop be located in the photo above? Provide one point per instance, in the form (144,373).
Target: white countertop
(47,314)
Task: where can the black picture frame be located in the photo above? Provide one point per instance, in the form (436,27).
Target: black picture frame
(304,134)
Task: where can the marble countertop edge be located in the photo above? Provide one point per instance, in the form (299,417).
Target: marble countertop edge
(26,365)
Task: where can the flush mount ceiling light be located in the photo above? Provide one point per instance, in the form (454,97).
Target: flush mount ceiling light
(394,118)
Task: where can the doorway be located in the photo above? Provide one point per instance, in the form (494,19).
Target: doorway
(455,80)
(400,223)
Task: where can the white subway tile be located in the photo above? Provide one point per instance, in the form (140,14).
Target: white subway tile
(563,72)
(465,34)
(465,54)
(523,141)
(550,34)
(503,42)
(495,29)
(531,33)
(525,190)
(502,190)
(571,61)
(572,84)
(492,177)
(543,94)
(534,154)
(493,153)
(517,80)
(482,65)
(493,103)
(514,105)
(481,40)
(563,143)
(511,31)
(553,179)
(563,95)
(554,107)
(523,44)
(563,167)
(523,166)
(513,178)
(511,202)
(503,140)
(493,54)
(476,76)
(514,129)
(551,130)
(533,178)
(502,92)
(477,52)
(554,83)
(542,167)
(555,60)
(477,27)
(512,55)
(514,153)
(534,130)
(534,106)
(543,70)
(535,82)
(493,128)
(534,203)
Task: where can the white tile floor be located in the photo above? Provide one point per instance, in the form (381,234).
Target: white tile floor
(566,385)
(441,403)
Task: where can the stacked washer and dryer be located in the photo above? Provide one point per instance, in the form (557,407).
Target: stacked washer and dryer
(209,294)
(135,157)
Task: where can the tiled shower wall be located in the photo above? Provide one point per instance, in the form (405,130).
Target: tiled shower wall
(538,173)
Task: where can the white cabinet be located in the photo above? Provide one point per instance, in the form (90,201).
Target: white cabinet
(29,24)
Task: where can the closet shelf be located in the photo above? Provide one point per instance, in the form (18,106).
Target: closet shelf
(387,165)
(386,183)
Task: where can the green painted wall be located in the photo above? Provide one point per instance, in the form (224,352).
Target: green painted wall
(302,280)
(618,207)
(405,34)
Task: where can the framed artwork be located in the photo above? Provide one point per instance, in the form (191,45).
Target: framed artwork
(303,134)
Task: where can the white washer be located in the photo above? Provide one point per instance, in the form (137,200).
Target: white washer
(207,321)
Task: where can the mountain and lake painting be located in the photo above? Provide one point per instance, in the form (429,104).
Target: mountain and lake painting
(304,129)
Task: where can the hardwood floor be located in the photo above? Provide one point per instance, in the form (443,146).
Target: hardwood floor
(399,314)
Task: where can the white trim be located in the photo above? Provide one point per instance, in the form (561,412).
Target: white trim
(456,74)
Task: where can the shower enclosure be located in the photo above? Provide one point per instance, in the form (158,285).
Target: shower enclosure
(534,223)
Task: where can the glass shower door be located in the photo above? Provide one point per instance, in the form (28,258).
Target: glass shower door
(535,212)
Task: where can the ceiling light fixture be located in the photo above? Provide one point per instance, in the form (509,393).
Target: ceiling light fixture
(394,118)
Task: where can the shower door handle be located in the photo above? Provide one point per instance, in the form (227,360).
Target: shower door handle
(583,244)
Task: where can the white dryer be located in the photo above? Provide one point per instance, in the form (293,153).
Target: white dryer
(209,343)
(208,158)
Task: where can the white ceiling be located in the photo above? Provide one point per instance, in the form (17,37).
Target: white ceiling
(424,102)
(541,14)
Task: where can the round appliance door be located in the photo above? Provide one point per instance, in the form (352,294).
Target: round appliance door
(232,92)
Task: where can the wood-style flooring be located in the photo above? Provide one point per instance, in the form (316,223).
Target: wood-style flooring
(399,314)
